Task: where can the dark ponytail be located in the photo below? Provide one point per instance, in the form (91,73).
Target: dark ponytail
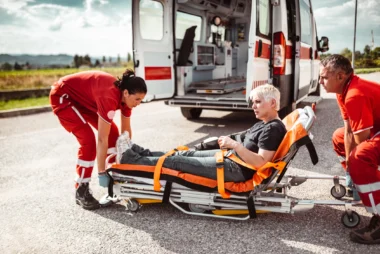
(132,83)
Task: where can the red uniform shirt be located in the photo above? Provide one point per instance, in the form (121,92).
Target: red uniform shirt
(95,91)
(360,105)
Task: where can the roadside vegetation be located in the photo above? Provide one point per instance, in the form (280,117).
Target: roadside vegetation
(25,103)
(32,79)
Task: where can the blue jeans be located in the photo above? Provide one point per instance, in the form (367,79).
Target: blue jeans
(200,163)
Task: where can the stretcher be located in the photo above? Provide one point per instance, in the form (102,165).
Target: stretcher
(266,192)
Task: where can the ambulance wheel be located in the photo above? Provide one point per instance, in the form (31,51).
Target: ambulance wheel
(338,194)
(350,221)
(195,209)
(133,205)
(191,113)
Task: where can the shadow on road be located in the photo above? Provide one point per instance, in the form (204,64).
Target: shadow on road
(183,233)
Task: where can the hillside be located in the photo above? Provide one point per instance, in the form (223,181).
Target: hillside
(41,60)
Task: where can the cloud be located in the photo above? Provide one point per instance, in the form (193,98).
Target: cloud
(335,19)
(56,25)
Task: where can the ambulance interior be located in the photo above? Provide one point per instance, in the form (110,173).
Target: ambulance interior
(212,47)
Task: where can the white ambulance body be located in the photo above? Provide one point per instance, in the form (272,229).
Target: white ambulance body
(209,54)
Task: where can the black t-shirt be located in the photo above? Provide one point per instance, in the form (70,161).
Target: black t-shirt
(266,136)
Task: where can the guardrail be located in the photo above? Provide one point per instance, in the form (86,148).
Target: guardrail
(23,94)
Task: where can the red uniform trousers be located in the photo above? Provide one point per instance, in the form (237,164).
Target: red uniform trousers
(364,168)
(77,120)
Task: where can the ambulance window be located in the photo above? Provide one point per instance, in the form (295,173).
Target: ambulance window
(263,18)
(151,20)
(184,21)
(306,28)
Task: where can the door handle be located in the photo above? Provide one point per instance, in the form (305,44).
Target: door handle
(136,63)
(260,48)
(311,53)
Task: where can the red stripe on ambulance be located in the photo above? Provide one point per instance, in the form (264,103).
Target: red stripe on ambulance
(258,83)
(158,73)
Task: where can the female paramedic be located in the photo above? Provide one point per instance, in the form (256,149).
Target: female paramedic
(257,148)
(91,98)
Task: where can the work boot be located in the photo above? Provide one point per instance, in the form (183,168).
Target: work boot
(369,234)
(84,197)
(353,193)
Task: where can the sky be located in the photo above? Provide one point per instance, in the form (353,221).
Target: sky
(103,27)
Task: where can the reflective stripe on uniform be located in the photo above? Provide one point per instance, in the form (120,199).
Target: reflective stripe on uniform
(64,96)
(79,115)
(85,164)
(365,188)
(377,133)
(374,207)
(111,150)
(81,179)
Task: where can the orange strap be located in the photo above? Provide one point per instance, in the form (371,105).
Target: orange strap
(220,174)
(160,162)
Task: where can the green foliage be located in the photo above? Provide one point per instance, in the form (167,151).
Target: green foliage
(31,79)
(31,102)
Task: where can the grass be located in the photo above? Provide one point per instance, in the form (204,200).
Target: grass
(31,79)
(367,70)
(25,103)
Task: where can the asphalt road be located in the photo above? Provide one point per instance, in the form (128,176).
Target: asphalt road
(38,213)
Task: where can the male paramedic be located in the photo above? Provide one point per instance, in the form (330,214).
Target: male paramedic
(88,99)
(359,140)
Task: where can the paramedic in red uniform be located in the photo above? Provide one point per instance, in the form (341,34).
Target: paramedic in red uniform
(90,98)
(359,140)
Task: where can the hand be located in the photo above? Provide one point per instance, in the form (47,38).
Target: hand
(104,179)
(227,142)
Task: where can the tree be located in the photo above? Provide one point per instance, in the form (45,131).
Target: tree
(110,59)
(104,59)
(17,67)
(87,60)
(129,58)
(97,63)
(367,51)
(118,58)
(6,66)
(76,61)
(346,53)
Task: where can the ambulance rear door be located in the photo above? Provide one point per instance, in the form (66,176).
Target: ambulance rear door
(304,46)
(259,45)
(153,46)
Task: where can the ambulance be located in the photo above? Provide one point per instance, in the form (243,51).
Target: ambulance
(209,54)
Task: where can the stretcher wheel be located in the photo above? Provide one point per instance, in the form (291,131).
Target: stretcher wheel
(350,221)
(338,194)
(195,209)
(133,205)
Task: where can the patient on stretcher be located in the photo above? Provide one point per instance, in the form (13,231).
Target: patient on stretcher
(246,150)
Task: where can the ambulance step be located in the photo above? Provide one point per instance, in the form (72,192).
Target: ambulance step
(308,101)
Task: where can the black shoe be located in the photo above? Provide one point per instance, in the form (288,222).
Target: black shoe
(369,234)
(85,199)
(349,193)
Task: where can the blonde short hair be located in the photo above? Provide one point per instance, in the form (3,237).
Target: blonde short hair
(267,92)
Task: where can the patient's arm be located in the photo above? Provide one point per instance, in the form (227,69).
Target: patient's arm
(255,159)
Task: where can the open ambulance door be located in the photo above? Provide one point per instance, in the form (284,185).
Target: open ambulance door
(153,46)
(259,45)
(304,57)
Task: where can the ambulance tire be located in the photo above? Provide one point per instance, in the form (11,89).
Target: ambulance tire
(191,113)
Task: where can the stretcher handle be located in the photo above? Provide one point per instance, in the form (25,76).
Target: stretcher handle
(109,157)
(311,115)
